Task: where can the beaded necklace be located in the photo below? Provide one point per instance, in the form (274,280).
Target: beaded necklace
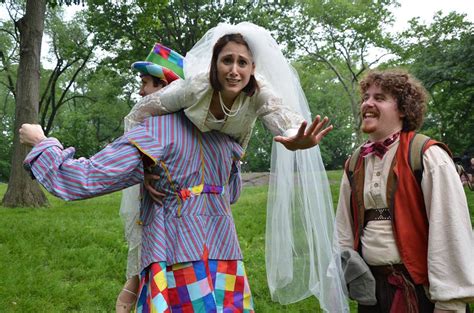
(229,112)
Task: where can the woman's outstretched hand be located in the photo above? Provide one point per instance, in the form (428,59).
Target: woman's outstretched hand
(31,134)
(306,138)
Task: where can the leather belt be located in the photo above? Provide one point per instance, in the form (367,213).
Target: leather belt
(377,215)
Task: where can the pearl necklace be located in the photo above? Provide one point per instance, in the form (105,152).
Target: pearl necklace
(229,112)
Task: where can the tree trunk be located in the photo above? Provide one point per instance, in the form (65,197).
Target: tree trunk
(22,190)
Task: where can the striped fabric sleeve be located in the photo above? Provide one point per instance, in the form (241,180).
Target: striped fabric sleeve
(117,166)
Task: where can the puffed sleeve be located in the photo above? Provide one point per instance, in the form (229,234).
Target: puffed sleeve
(169,99)
(180,94)
(276,116)
(450,241)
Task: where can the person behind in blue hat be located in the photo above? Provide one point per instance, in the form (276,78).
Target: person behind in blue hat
(161,67)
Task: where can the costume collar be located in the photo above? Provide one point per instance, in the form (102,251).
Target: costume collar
(379,148)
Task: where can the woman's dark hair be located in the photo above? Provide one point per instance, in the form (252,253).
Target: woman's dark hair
(411,96)
(252,85)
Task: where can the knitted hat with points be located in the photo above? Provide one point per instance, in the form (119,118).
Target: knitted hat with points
(163,63)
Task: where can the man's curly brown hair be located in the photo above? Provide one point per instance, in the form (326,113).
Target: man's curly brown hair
(411,96)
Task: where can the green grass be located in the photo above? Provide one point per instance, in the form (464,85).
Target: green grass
(71,257)
(66,258)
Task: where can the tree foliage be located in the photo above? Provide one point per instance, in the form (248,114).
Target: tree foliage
(257,157)
(8,69)
(71,52)
(7,110)
(129,29)
(102,91)
(326,97)
(331,44)
(441,55)
(55,3)
(342,35)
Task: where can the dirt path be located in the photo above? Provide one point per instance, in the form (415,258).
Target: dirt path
(255,179)
(261,179)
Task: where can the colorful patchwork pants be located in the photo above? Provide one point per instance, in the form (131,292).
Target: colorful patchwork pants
(200,286)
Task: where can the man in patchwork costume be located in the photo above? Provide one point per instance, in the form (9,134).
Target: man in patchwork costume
(415,234)
(190,255)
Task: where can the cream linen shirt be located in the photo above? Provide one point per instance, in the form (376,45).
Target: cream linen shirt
(194,96)
(450,242)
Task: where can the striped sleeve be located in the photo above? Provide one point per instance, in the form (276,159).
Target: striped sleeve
(116,167)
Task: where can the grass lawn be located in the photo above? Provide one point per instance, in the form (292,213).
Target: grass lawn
(71,256)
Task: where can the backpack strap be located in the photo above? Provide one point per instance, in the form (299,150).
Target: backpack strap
(416,149)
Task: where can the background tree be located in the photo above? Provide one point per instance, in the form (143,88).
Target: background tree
(101,90)
(257,157)
(129,29)
(348,37)
(326,97)
(8,69)
(9,45)
(331,44)
(22,191)
(71,51)
(441,55)
(7,109)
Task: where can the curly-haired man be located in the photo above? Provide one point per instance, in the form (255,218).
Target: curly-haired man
(416,236)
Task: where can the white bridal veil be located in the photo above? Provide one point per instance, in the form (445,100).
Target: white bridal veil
(300,255)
